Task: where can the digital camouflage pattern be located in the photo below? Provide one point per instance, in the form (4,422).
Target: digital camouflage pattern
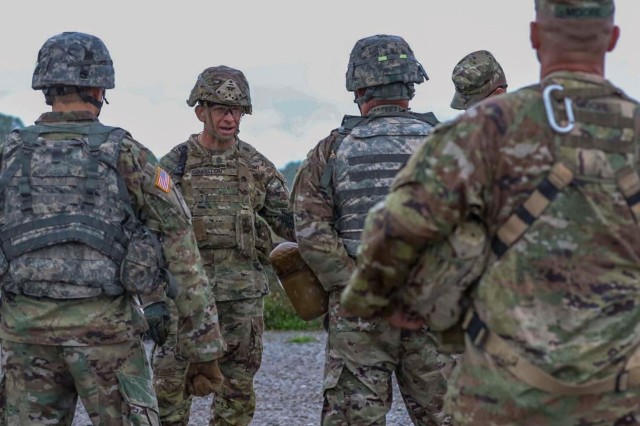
(105,250)
(564,296)
(222,85)
(113,381)
(380,60)
(362,355)
(475,77)
(73,59)
(365,164)
(237,198)
(105,320)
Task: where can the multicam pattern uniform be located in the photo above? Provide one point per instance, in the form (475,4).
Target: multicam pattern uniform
(362,355)
(564,296)
(92,345)
(234,196)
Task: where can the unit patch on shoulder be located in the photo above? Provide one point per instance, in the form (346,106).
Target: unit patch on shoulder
(163,180)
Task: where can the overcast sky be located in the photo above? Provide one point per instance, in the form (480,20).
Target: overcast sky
(294,53)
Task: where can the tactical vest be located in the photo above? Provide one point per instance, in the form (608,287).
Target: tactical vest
(68,230)
(365,157)
(220,191)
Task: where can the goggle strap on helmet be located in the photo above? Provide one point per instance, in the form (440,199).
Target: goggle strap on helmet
(89,62)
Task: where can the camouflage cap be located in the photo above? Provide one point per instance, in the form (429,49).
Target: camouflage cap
(222,85)
(73,59)
(475,77)
(576,9)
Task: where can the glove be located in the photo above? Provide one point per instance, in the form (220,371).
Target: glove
(204,378)
(158,318)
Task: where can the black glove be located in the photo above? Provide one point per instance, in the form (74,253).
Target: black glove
(158,318)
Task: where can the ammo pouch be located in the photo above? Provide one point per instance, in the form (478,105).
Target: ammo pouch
(141,268)
(246,233)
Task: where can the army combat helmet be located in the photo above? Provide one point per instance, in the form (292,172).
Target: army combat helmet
(221,85)
(385,66)
(73,60)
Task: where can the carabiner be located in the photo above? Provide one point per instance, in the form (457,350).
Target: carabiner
(548,106)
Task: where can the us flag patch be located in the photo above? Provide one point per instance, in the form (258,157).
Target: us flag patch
(163,180)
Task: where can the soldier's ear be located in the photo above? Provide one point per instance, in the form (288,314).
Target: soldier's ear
(534,35)
(615,35)
(200,112)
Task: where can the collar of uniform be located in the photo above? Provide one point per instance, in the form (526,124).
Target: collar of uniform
(54,117)
(385,109)
(559,76)
(206,151)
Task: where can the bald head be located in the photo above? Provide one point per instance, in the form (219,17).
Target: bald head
(573,35)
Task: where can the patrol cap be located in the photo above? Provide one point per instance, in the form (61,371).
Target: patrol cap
(475,77)
(576,9)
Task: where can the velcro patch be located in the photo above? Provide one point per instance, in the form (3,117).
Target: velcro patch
(163,180)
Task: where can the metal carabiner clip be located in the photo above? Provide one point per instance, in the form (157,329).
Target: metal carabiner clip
(548,106)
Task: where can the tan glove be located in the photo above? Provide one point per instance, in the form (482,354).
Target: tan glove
(204,378)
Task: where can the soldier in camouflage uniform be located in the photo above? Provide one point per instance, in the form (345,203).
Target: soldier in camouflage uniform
(80,203)
(236,196)
(553,332)
(342,177)
(477,76)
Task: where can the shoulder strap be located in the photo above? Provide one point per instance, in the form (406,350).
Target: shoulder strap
(327,174)
(183,151)
(526,214)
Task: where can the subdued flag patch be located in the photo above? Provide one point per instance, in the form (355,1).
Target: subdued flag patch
(163,180)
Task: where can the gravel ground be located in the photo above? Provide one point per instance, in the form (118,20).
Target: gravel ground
(288,385)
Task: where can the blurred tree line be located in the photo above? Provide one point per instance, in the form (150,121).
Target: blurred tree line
(7,124)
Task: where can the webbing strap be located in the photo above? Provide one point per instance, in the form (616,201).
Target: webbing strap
(517,365)
(104,245)
(526,214)
(182,161)
(358,176)
(629,184)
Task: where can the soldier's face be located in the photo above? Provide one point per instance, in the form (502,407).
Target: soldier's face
(221,123)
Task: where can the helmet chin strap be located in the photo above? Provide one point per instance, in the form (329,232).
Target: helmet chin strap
(91,100)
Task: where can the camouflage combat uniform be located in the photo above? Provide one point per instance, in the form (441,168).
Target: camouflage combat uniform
(362,355)
(92,345)
(236,197)
(563,298)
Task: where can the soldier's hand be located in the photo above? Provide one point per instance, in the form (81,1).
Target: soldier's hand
(401,319)
(204,378)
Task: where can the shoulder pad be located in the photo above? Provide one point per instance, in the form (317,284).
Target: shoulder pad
(349,122)
(246,150)
(427,117)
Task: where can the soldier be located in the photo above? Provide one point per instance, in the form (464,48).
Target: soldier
(342,177)
(82,204)
(235,195)
(476,77)
(552,333)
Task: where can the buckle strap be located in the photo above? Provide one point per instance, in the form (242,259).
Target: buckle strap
(507,358)
(559,177)
(628,182)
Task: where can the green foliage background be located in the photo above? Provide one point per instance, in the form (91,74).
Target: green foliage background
(7,124)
